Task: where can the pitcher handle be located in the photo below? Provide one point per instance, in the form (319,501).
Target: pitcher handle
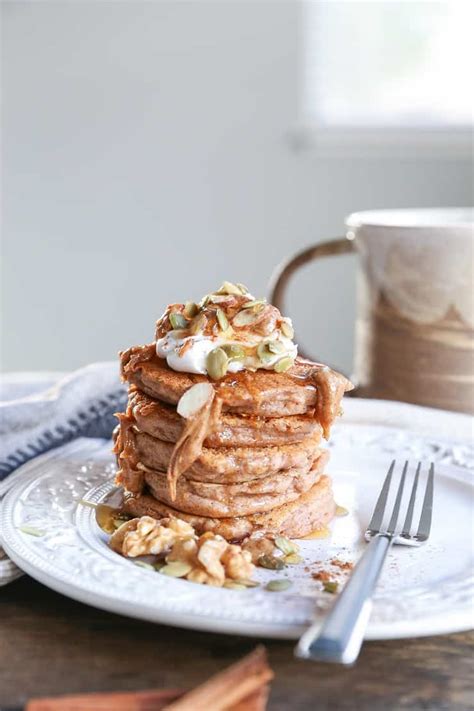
(283,273)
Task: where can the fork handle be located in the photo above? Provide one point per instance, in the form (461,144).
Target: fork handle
(341,635)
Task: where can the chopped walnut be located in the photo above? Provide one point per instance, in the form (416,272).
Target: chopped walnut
(199,575)
(213,560)
(237,563)
(117,538)
(210,553)
(185,550)
(150,537)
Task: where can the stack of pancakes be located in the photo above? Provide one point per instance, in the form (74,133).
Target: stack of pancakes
(261,465)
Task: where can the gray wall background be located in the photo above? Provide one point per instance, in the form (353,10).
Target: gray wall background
(147,158)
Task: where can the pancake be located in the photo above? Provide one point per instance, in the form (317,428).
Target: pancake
(232,464)
(137,451)
(231,500)
(162,421)
(311,511)
(304,388)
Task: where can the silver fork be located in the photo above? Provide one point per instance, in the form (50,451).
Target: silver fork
(340,637)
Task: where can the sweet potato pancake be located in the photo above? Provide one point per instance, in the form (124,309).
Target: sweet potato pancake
(224,422)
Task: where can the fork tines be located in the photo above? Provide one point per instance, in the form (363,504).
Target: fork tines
(405,536)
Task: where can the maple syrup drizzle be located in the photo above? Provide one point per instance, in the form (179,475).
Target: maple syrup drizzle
(318,533)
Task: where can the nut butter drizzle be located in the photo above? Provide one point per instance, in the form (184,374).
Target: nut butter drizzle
(188,448)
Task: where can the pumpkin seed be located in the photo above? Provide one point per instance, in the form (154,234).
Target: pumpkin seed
(217,363)
(255,302)
(278,585)
(271,562)
(341,511)
(177,320)
(141,564)
(222,320)
(283,365)
(231,585)
(243,288)
(287,329)
(330,586)
(264,353)
(276,347)
(176,569)
(293,559)
(229,288)
(190,309)
(285,545)
(204,301)
(245,318)
(233,351)
(198,324)
(158,565)
(31,531)
(247,583)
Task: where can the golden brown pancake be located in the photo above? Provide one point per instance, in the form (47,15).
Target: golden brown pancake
(221,465)
(163,422)
(311,511)
(303,388)
(232,464)
(231,500)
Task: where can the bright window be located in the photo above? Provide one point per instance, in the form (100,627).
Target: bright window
(387,64)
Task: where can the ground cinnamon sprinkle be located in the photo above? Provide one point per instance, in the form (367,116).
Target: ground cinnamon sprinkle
(186,346)
(343,565)
(322,575)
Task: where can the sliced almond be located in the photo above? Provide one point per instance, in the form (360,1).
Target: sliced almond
(229,288)
(222,320)
(253,304)
(195,399)
(245,318)
(198,324)
(222,299)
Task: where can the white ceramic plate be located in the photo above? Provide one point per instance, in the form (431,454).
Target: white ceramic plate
(422,591)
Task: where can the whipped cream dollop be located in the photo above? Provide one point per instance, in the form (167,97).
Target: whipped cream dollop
(227,332)
(193,358)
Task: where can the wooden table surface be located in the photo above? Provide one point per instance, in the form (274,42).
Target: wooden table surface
(50,645)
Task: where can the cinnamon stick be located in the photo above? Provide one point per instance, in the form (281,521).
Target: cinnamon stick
(228,688)
(153,700)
